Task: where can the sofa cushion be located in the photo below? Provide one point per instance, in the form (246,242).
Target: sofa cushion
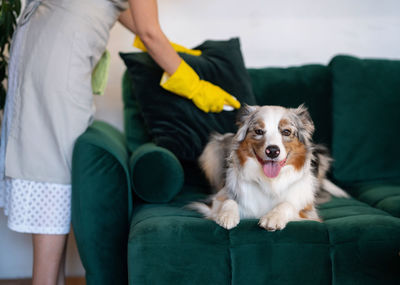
(169,244)
(366,118)
(156,174)
(385,197)
(290,87)
(175,122)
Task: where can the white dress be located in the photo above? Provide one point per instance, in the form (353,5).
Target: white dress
(49,104)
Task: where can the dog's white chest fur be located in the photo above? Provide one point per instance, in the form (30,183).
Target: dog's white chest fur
(258,203)
(257,194)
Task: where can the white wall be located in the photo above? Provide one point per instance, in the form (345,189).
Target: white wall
(278,33)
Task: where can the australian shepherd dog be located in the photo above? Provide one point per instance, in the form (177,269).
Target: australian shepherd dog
(269,170)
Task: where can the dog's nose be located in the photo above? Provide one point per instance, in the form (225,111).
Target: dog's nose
(272,151)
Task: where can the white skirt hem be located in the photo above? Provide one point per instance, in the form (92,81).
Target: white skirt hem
(38,230)
(36,207)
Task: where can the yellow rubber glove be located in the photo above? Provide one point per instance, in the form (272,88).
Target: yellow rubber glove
(137,43)
(205,95)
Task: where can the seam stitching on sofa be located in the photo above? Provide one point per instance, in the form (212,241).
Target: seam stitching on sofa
(364,205)
(386,211)
(365,193)
(384,214)
(330,253)
(230,257)
(164,216)
(287,243)
(386,198)
(375,203)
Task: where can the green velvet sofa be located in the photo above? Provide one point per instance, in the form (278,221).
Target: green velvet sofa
(123,238)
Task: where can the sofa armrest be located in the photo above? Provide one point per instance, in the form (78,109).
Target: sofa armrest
(102,203)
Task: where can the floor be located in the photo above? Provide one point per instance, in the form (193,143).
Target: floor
(70,281)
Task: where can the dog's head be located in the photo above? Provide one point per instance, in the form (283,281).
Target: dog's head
(274,136)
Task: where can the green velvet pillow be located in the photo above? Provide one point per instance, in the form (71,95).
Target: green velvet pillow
(175,122)
(157,176)
(366,117)
(292,86)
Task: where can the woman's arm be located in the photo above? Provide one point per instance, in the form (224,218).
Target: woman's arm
(144,21)
(179,77)
(125,18)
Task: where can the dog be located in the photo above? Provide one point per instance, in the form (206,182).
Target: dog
(269,170)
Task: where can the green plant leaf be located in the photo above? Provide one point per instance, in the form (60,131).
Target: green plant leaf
(2,96)
(17,7)
(3,66)
(9,11)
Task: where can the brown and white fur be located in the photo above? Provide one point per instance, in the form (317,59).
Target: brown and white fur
(269,170)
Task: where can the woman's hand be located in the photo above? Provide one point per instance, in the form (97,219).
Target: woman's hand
(205,95)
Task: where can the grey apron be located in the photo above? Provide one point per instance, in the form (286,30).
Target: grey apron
(49,101)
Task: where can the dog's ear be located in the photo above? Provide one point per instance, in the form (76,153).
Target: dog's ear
(304,123)
(243,119)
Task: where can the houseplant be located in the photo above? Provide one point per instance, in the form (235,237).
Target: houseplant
(9,11)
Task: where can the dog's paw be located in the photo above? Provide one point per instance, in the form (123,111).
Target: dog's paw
(228,220)
(273,221)
(228,217)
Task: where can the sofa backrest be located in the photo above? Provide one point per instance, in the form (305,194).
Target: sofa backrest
(366,119)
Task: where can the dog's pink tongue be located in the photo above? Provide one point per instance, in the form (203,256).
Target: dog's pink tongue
(271,169)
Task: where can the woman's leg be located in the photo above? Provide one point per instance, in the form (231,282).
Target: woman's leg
(48,255)
(61,272)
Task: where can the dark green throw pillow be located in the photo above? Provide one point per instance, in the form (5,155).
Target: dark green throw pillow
(175,122)
(366,119)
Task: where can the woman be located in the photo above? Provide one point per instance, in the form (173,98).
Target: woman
(49,104)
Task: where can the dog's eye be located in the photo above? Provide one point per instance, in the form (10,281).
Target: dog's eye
(259,132)
(286,132)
